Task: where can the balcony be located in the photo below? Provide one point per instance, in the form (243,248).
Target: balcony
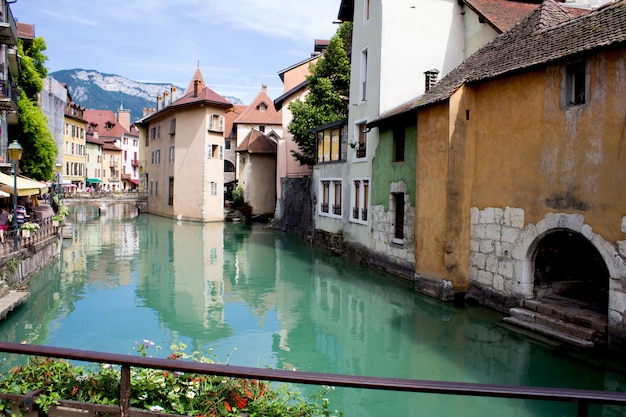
(126,177)
(8,96)
(8,27)
(134,163)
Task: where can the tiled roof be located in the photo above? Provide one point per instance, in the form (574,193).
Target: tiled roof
(230,117)
(101,118)
(25,30)
(502,15)
(528,45)
(255,115)
(257,142)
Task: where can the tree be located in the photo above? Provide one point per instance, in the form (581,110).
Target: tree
(32,130)
(327,99)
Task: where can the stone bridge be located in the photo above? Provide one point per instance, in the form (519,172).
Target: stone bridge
(105,200)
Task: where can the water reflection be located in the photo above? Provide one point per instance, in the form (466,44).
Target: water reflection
(284,304)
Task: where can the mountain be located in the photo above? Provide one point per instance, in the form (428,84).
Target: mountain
(95,90)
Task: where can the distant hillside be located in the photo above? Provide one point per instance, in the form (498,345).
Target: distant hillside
(94,90)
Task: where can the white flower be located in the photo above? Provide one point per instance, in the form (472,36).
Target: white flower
(190,394)
(156,408)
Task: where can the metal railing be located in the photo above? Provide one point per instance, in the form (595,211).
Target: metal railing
(46,229)
(583,398)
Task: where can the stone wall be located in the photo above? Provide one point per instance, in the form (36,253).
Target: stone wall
(18,267)
(502,260)
(392,254)
(294,208)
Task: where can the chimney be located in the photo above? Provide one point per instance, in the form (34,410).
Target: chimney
(173,95)
(196,85)
(166,96)
(264,87)
(430,79)
(159,100)
(123,117)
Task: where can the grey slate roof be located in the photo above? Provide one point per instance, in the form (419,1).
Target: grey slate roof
(547,35)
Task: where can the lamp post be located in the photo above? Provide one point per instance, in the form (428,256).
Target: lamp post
(15,154)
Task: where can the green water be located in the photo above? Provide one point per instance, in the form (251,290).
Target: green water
(257,297)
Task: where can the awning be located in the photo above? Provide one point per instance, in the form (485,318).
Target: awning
(25,186)
(93,180)
(135,181)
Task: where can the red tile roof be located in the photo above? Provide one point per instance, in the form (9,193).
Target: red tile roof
(261,111)
(230,117)
(502,15)
(257,142)
(100,119)
(25,30)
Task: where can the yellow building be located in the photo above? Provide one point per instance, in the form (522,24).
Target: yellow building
(521,159)
(74,146)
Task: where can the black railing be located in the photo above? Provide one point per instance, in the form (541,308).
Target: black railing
(583,398)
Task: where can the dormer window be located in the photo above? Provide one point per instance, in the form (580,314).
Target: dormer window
(262,107)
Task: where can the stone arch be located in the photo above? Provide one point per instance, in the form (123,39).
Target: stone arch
(531,238)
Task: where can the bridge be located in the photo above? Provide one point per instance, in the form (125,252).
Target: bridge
(103,200)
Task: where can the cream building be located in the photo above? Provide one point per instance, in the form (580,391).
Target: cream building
(182,160)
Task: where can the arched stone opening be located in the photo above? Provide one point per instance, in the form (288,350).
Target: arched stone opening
(568,265)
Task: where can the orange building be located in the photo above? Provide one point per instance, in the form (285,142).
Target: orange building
(521,159)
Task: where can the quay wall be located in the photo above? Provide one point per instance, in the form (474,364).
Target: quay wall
(18,267)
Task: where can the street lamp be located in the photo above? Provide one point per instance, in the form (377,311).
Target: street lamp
(15,154)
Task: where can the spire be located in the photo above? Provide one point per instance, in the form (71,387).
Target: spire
(196,82)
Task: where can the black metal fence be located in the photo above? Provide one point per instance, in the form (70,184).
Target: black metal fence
(583,398)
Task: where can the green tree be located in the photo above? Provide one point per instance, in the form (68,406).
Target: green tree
(32,130)
(327,100)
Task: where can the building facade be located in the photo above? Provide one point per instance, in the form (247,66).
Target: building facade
(518,161)
(182,154)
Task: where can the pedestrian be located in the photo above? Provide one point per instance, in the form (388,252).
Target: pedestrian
(4,223)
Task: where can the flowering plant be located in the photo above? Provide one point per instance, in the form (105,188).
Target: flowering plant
(62,210)
(58,218)
(30,226)
(161,391)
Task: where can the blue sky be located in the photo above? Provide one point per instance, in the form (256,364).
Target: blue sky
(240,44)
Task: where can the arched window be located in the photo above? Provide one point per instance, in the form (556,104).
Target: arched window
(229,166)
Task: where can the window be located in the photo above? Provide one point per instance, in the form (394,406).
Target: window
(172,127)
(214,151)
(330,142)
(216,123)
(171,158)
(229,166)
(363,76)
(156,188)
(153,133)
(331,195)
(261,128)
(158,132)
(337,198)
(399,138)
(170,197)
(213,188)
(361,142)
(325,196)
(398,208)
(227,143)
(360,195)
(576,84)
(366,11)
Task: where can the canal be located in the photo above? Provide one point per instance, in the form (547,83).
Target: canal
(251,296)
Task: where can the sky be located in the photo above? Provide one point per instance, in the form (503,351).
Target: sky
(239,45)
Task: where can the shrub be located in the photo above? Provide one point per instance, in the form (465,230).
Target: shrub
(161,391)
